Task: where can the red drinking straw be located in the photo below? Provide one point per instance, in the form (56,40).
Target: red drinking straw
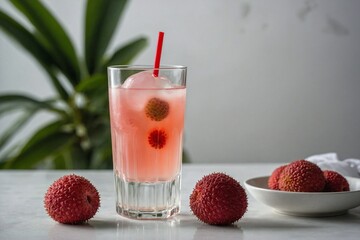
(158,54)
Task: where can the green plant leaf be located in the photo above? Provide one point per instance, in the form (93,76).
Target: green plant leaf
(6,154)
(99,104)
(101,157)
(95,88)
(80,137)
(50,129)
(24,37)
(30,43)
(101,20)
(23,101)
(8,108)
(79,157)
(126,54)
(41,151)
(59,43)
(43,144)
(10,131)
(92,83)
(59,162)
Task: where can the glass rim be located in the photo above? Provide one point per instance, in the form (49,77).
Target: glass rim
(146,67)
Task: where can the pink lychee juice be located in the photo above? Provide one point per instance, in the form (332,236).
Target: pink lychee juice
(147,122)
(136,156)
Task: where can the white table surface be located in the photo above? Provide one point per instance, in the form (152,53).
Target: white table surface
(22,214)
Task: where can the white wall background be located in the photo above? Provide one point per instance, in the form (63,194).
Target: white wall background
(268,81)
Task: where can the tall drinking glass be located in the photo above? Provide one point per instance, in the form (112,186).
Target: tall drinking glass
(147,109)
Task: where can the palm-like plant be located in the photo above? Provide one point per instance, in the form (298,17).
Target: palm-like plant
(79,136)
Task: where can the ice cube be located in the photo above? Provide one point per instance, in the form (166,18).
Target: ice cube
(146,80)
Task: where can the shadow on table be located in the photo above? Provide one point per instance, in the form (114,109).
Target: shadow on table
(186,226)
(183,226)
(276,221)
(72,232)
(353,216)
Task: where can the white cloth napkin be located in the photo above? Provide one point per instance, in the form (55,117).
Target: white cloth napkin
(329,161)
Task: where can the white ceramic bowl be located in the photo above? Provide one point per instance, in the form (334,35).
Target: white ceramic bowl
(316,204)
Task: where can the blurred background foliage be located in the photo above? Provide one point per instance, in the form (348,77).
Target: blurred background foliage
(78,137)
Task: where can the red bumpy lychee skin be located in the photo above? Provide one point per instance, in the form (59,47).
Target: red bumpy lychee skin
(71,199)
(157,138)
(302,176)
(218,199)
(273,182)
(335,182)
(157,109)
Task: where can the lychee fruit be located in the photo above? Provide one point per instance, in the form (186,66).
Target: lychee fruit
(273,182)
(218,199)
(302,176)
(72,199)
(157,138)
(335,182)
(157,109)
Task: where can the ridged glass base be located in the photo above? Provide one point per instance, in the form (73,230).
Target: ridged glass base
(147,200)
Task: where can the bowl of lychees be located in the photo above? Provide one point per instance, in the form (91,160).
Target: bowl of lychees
(302,188)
